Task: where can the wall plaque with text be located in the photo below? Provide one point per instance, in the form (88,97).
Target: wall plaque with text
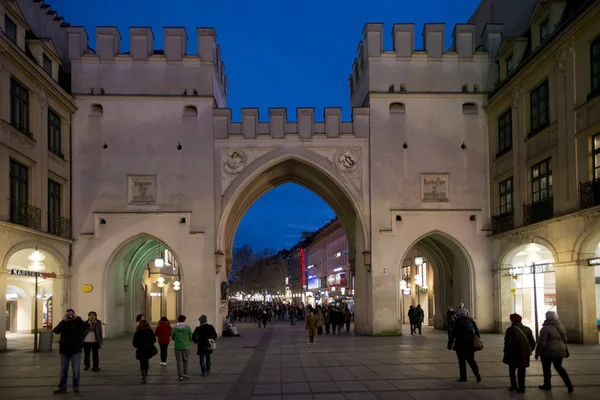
(142,189)
(435,187)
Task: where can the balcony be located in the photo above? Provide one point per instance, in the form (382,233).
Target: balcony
(22,213)
(59,226)
(589,194)
(503,222)
(538,211)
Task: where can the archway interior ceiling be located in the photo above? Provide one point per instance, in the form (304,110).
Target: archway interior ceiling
(298,172)
(527,254)
(444,252)
(20,260)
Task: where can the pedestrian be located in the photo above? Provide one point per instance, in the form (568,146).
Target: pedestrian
(450,318)
(71,330)
(204,336)
(311,325)
(518,346)
(92,342)
(264,318)
(327,319)
(412,319)
(462,305)
(163,333)
(182,337)
(320,321)
(420,317)
(143,341)
(462,341)
(347,318)
(552,348)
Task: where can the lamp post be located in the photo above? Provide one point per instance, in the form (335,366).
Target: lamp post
(403,285)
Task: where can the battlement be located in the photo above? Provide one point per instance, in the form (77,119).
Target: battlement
(278,127)
(142,53)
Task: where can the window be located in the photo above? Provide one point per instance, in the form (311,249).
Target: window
(596,156)
(539,107)
(541,181)
(544,29)
(506,196)
(10,29)
(53,207)
(595,66)
(19,106)
(505,132)
(54,133)
(47,64)
(509,64)
(19,192)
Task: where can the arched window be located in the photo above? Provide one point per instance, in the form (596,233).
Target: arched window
(97,109)
(190,110)
(397,108)
(469,108)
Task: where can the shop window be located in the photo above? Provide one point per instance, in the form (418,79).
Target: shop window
(19,192)
(595,67)
(539,108)
(506,196)
(54,133)
(541,181)
(10,29)
(505,133)
(596,156)
(544,29)
(19,106)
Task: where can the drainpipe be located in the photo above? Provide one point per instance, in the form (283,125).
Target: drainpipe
(70,261)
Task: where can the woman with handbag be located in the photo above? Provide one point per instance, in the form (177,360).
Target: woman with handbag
(465,341)
(204,336)
(143,341)
(518,345)
(552,347)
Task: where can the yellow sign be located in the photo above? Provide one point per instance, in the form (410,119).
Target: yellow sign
(87,288)
(513,291)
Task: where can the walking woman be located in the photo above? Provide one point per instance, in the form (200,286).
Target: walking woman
(204,336)
(163,333)
(518,346)
(552,348)
(143,341)
(462,340)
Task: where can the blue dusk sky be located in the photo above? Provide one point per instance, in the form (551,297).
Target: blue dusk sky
(276,54)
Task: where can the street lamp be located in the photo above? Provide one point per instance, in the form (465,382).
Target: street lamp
(403,286)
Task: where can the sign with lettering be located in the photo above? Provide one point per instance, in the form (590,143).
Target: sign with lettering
(435,187)
(526,270)
(32,274)
(593,261)
(142,189)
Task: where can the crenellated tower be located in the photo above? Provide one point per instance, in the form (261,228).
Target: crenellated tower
(144,70)
(404,69)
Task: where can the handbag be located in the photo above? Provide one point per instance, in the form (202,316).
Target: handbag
(477,343)
(212,345)
(154,351)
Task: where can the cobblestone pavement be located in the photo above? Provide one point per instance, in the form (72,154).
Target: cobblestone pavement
(278,363)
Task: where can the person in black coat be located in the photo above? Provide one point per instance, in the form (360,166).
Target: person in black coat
(462,340)
(202,336)
(143,341)
(518,346)
(71,330)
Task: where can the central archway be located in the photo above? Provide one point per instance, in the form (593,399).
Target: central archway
(305,171)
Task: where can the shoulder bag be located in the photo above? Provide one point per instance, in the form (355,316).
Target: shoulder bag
(524,336)
(212,345)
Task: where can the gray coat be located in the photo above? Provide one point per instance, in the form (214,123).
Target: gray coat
(97,331)
(552,340)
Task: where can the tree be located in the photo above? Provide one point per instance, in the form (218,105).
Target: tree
(262,272)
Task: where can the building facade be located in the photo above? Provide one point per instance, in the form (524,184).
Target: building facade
(36,110)
(544,122)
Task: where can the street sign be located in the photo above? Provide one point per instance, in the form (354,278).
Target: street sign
(32,274)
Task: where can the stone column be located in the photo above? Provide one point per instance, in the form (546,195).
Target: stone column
(576,301)
(3,276)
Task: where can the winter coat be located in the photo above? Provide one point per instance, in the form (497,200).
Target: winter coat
(320,320)
(182,336)
(518,345)
(450,319)
(552,340)
(163,332)
(201,335)
(326,317)
(97,330)
(462,337)
(71,334)
(143,341)
(311,324)
(412,315)
(420,314)
(347,316)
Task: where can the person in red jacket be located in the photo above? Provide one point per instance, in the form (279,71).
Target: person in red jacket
(163,333)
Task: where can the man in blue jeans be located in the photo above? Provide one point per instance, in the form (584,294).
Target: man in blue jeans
(204,336)
(71,330)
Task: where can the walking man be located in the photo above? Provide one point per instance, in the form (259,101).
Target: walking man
(182,337)
(412,318)
(92,341)
(420,317)
(71,330)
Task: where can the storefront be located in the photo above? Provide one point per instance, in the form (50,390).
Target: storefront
(595,263)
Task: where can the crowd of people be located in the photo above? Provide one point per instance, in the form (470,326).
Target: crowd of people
(77,335)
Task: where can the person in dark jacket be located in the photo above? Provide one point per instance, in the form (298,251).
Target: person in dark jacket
(163,333)
(143,341)
(420,317)
(552,347)
(202,336)
(462,340)
(71,330)
(92,341)
(518,346)
(412,319)
(450,318)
